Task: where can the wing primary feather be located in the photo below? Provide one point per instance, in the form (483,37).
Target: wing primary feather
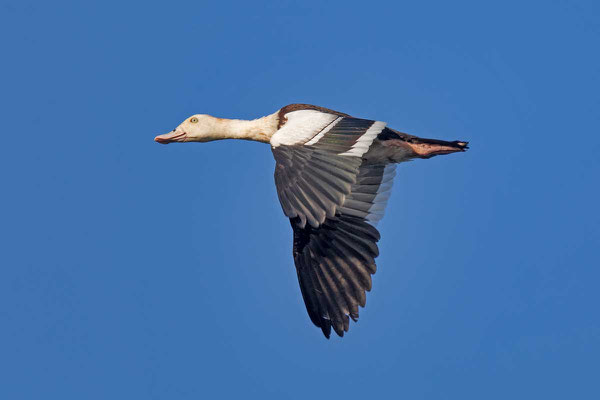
(333,287)
(308,296)
(337,261)
(357,264)
(341,276)
(351,271)
(364,243)
(363,264)
(333,312)
(323,318)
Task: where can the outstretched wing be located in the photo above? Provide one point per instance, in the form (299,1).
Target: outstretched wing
(335,261)
(333,199)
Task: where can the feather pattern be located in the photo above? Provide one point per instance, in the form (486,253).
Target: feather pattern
(314,175)
(311,184)
(370,193)
(334,268)
(333,198)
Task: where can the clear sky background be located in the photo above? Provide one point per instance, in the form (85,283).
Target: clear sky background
(131,270)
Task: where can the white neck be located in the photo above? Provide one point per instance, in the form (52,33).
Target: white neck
(259,130)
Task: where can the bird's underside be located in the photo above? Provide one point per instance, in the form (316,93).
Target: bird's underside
(334,175)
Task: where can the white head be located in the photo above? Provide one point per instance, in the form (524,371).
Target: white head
(197,128)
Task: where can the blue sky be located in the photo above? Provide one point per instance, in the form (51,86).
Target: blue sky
(135,270)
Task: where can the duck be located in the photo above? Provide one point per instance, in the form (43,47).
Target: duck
(333,175)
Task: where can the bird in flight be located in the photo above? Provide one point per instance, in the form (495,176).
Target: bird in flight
(334,176)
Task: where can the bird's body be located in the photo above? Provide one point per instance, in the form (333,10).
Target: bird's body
(333,175)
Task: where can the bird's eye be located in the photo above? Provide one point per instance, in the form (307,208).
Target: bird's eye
(194,120)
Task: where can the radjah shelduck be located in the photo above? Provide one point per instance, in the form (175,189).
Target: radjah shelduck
(333,175)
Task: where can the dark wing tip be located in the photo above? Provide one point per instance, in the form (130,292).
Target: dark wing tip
(326,328)
(332,290)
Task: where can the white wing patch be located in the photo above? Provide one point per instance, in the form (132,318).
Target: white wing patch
(364,142)
(301,126)
(323,132)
